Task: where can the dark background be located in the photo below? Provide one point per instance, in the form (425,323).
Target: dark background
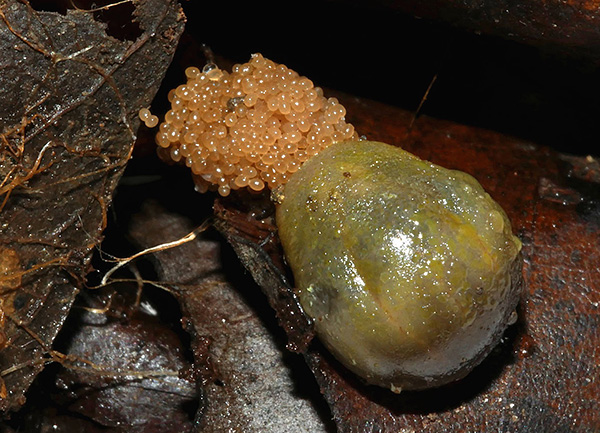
(547,92)
(380,53)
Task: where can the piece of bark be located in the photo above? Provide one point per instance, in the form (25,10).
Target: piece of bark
(69,98)
(544,374)
(249,381)
(254,239)
(570,27)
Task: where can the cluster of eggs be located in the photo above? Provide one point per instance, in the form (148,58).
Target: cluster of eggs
(251,128)
(409,271)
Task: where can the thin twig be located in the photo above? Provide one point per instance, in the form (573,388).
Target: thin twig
(423,99)
(187,238)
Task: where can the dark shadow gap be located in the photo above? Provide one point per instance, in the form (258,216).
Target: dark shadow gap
(118,16)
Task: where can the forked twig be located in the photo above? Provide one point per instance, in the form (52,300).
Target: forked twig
(161,247)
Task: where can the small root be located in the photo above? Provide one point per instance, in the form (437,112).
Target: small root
(162,247)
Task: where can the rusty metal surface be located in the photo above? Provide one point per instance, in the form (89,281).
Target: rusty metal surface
(544,376)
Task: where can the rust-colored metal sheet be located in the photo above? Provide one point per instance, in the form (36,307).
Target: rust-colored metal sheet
(544,376)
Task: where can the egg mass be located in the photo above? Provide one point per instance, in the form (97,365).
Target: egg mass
(249,128)
(410,271)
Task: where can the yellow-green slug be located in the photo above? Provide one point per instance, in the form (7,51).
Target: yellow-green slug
(410,271)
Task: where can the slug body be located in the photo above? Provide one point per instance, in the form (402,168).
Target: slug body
(409,270)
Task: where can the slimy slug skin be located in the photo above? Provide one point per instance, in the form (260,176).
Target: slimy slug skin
(409,270)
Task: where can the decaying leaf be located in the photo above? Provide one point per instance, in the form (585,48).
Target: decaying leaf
(128,373)
(69,98)
(571,27)
(249,380)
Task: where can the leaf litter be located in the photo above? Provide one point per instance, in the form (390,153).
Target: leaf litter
(69,99)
